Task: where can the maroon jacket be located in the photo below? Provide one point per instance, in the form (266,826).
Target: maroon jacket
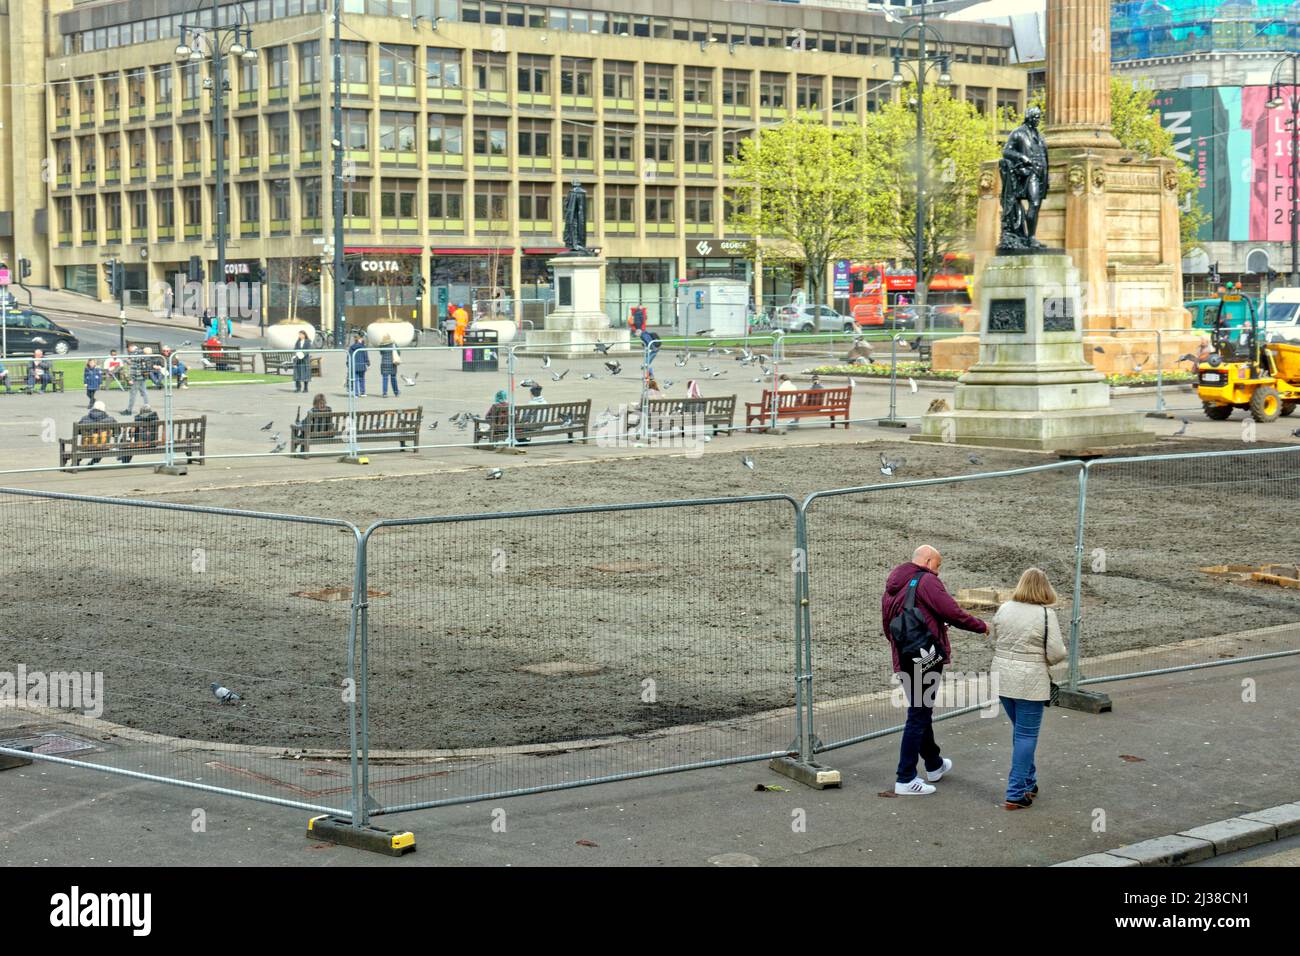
(932,600)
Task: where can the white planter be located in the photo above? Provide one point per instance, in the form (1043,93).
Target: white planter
(402,333)
(284,335)
(505,329)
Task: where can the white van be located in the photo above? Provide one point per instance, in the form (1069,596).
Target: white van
(1281,316)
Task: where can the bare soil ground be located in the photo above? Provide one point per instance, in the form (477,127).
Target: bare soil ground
(668,616)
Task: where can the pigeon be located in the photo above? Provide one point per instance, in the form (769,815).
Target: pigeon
(716,374)
(556,376)
(275,437)
(747,462)
(911,383)
(762,359)
(915,344)
(667,384)
(546,361)
(704,332)
(602,348)
(706,368)
(528,383)
(588,376)
(890,468)
(712,348)
(726,351)
(186,344)
(223,694)
(566,421)
(433,424)
(1182,431)
(206,362)
(1187,357)
(1099,350)
(1296,433)
(853,383)
(278,448)
(267,427)
(759,379)
(975,459)
(494,473)
(681,361)
(614,367)
(409,380)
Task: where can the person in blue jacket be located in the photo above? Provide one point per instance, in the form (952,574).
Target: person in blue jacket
(358,362)
(93,377)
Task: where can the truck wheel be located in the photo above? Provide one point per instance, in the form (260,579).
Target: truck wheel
(1288,408)
(1217,413)
(1265,406)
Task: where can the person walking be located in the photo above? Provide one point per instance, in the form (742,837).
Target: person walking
(389,359)
(461,318)
(358,362)
(93,378)
(301,364)
(137,378)
(914,588)
(1026,643)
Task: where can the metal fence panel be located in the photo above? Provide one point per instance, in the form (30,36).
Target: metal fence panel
(1169,546)
(540,650)
(989,528)
(153,604)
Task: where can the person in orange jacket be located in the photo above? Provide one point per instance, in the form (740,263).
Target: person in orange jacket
(461,318)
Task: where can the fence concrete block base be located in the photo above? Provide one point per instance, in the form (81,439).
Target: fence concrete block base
(354,460)
(374,839)
(1233,834)
(175,470)
(12,762)
(888,423)
(1088,701)
(809,774)
(1099,859)
(1285,819)
(1167,851)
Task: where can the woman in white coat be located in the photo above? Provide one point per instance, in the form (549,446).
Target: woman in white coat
(1026,642)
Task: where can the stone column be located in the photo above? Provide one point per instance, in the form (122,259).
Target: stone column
(1078,74)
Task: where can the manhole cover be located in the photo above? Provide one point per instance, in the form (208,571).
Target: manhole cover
(58,745)
(336,594)
(625,567)
(562,669)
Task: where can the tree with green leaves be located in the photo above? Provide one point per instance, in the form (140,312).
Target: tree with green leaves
(957,138)
(809,191)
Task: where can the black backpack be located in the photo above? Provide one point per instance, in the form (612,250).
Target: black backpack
(911,635)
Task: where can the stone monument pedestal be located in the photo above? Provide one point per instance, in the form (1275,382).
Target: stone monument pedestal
(578,321)
(1032,387)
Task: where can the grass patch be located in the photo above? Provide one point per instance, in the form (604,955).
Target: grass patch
(72,369)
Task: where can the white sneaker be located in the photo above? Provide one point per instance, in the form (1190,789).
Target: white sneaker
(917,788)
(934,776)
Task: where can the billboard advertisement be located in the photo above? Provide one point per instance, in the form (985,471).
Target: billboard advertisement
(1241,152)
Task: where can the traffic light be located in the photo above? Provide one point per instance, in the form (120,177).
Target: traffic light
(1214,273)
(24,268)
(420,286)
(110,276)
(255,273)
(195,271)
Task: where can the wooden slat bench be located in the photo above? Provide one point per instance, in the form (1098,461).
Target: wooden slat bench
(56,377)
(275,363)
(92,440)
(231,359)
(537,421)
(157,347)
(399,425)
(672,415)
(829,403)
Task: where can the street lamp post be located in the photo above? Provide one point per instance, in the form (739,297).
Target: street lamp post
(221,41)
(1290,63)
(925,61)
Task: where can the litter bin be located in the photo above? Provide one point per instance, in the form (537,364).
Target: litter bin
(480,351)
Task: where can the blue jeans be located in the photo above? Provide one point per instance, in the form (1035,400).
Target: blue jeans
(359,383)
(1026,719)
(918,732)
(387,377)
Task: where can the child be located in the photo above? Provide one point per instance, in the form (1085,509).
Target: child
(93,377)
(4,378)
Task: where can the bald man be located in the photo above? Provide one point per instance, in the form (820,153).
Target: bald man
(939,610)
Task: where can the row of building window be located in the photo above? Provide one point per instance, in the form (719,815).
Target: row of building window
(557,19)
(535,206)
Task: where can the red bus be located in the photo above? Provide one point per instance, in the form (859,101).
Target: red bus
(878,292)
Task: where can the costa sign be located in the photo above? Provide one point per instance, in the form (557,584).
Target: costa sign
(380,265)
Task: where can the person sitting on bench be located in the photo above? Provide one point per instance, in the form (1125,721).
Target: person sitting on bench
(39,373)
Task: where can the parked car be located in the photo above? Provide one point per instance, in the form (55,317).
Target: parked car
(803,318)
(1281,316)
(27,330)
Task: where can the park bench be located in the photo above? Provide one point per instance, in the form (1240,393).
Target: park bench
(19,378)
(156,347)
(401,425)
(537,421)
(829,403)
(129,439)
(672,415)
(229,358)
(275,363)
